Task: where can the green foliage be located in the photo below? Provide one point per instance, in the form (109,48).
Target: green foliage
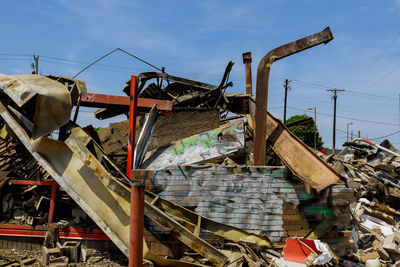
(305,132)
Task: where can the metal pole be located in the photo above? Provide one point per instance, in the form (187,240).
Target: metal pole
(334,117)
(286,86)
(247,67)
(347,131)
(334,123)
(137,192)
(36,58)
(52,202)
(260,131)
(315,122)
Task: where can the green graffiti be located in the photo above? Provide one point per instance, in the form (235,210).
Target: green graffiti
(277,174)
(304,197)
(288,185)
(207,141)
(329,213)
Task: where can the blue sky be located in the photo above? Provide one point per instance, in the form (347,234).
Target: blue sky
(196,39)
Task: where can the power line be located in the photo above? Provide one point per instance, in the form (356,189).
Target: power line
(16,59)
(383,52)
(114,68)
(316,85)
(381,55)
(385,136)
(347,118)
(15,55)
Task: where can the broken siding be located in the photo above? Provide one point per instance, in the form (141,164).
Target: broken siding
(211,145)
(252,198)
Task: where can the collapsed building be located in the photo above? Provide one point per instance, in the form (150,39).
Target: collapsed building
(215,195)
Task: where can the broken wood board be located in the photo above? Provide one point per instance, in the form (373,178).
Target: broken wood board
(211,145)
(297,156)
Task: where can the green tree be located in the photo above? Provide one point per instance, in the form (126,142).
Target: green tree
(305,132)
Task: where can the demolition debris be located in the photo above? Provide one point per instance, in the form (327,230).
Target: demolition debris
(208,200)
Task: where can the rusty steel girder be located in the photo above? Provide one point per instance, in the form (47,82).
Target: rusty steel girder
(262,85)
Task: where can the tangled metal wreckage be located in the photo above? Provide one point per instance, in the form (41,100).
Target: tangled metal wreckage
(207,183)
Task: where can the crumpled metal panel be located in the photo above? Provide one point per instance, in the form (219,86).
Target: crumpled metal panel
(52,105)
(99,195)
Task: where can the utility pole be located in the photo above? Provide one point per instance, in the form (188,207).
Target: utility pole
(36,59)
(247,66)
(347,132)
(334,116)
(315,124)
(287,87)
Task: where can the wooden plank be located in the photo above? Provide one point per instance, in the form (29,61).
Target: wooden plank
(296,155)
(211,145)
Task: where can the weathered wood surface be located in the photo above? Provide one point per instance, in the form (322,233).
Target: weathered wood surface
(223,141)
(296,155)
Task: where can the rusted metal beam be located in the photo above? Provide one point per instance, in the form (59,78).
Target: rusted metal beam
(106,113)
(247,67)
(106,101)
(262,85)
(297,156)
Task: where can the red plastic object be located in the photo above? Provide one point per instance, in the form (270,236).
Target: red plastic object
(295,251)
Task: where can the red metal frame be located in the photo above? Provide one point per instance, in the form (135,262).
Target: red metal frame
(136,220)
(29,182)
(101,101)
(40,231)
(53,185)
(64,233)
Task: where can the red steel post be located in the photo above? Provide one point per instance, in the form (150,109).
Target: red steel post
(137,192)
(132,125)
(52,202)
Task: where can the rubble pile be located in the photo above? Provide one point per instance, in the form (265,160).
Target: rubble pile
(376,211)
